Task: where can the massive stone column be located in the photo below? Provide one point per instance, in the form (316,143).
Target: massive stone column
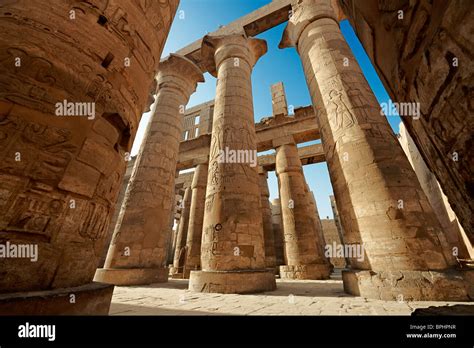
(232,251)
(196,217)
(381,202)
(314,208)
(270,258)
(69,110)
(278,232)
(138,251)
(182,233)
(304,256)
(457,242)
(318,225)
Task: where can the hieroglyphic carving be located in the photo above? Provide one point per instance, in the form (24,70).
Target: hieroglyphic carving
(45,151)
(60,176)
(94,221)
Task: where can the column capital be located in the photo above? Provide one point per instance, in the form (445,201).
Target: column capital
(306,12)
(216,49)
(179,72)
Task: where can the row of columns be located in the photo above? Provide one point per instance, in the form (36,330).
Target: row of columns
(382,206)
(187,245)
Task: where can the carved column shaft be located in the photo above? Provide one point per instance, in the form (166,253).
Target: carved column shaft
(232,251)
(321,240)
(138,251)
(69,112)
(193,241)
(182,233)
(270,258)
(304,254)
(278,232)
(172,241)
(382,206)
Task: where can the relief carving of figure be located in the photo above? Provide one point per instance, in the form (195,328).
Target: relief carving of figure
(340,116)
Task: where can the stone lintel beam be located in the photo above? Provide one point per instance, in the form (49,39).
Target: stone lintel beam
(196,151)
(302,129)
(254,23)
(308,155)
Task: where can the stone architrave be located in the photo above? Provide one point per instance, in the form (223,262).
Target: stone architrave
(138,252)
(382,206)
(232,250)
(304,254)
(182,233)
(270,258)
(69,111)
(196,217)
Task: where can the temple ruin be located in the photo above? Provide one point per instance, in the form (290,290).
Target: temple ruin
(194,204)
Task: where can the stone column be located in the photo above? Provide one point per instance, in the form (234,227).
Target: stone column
(304,257)
(457,244)
(69,110)
(278,232)
(117,208)
(232,251)
(337,219)
(318,225)
(182,233)
(138,251)
(337,222)
(314,208)
(270,258)
(172,241)
(196,217)
(382,206)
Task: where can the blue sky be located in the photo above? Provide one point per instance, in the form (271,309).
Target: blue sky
(195,18)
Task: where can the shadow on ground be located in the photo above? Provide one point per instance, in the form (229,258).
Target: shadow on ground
(309,288)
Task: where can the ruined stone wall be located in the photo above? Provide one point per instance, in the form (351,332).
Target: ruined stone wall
(423,54)
(198,120)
